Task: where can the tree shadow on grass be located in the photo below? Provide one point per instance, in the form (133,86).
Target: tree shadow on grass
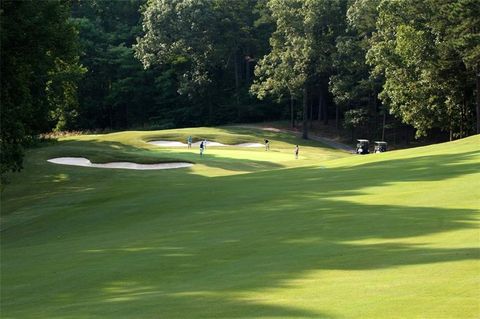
(218,259)
(279,237)
(379,173)
(286,224)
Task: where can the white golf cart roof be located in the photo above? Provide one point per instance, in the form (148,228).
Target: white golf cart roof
(380,142)
(360,140)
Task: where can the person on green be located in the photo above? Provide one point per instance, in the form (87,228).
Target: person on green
(267,145)
(296,152)
(189,141)
(201,148)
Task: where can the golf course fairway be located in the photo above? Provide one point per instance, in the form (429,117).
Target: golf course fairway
(243,233)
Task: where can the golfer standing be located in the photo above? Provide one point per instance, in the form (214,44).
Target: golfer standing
(189,141)
(267,145)
(296,152)
(201,148)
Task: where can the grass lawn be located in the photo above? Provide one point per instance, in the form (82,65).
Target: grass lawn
(244,233)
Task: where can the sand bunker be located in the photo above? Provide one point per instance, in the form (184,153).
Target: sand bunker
(208,144)
(180,144)
(81,161)
(196,144)
(250,145)
(271,129)
(167,143)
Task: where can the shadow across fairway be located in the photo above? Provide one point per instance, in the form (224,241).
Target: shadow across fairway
(216,261)
(205,252)
(379,173)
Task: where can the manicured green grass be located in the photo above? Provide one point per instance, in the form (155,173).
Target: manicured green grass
(244,233)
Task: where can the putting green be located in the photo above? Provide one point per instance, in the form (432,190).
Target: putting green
(244,233)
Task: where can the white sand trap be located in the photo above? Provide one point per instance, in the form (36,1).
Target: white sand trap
(167,143)
(209,144)
(81,161)
(180,144)
(197,144)
(271,129)
(250,145)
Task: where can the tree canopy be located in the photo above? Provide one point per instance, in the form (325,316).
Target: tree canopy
(40,70)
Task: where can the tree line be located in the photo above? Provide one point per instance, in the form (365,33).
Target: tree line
(135,64)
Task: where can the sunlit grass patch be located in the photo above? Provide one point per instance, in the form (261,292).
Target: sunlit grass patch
(244,233)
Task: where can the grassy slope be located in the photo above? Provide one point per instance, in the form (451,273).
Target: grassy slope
(391,235)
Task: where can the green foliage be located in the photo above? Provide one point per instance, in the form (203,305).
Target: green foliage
(352,84)
(427,79)
(116,91)
(355,118)
(282,70)
(209,45)
(462,29)
(40,71)
(180,30)
(303,46)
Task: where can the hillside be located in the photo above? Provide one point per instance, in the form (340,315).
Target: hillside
(244,233)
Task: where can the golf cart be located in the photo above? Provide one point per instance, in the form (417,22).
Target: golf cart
(362,147)
(380,146)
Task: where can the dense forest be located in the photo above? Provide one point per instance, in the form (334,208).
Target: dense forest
(365,65)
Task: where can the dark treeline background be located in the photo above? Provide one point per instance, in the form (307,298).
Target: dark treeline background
(117,92)
(367,66)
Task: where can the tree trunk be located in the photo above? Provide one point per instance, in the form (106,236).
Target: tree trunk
(126,116)
(463,112)
(310,119)
(305,114)
(325,112)
(337,111)
(110,115)
(235,63)
(383,124)
(320,105)
(292,118)
(375,107)
(110,108)
(247,72)
(210,107)
(478,99)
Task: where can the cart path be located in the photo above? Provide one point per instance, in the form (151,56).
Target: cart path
(331,143)
(325,140)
